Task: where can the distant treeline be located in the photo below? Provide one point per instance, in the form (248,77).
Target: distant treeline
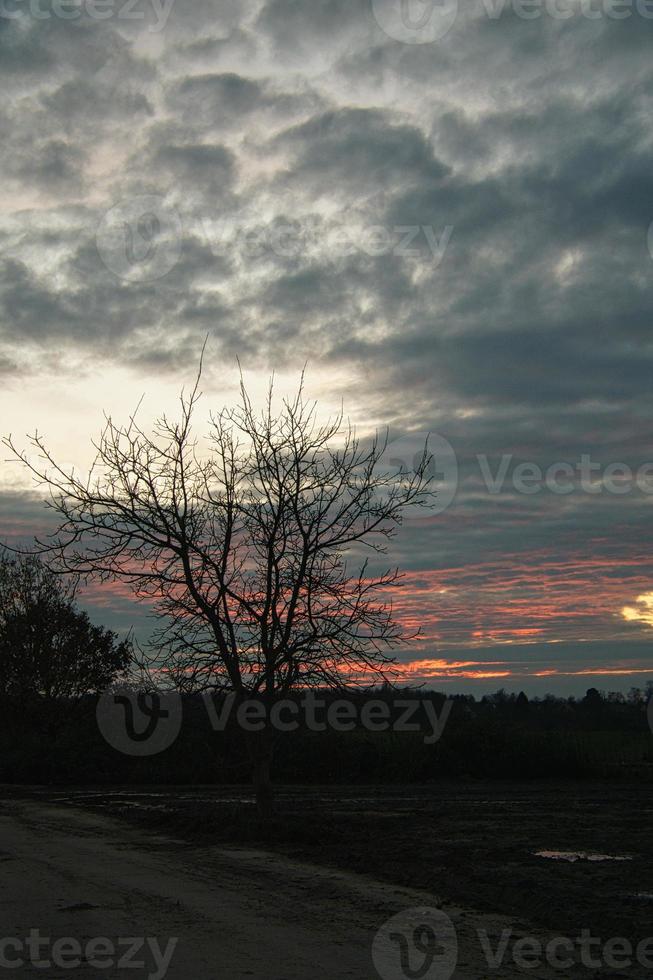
(502,736)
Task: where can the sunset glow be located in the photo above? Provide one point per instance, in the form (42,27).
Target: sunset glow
(414,226)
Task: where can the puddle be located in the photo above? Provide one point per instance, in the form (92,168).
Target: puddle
(572,856)
(144,806)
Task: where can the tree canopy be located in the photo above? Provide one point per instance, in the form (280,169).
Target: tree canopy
(48,647)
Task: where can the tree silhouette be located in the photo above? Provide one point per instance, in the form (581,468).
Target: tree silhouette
(242,544)
(48,648)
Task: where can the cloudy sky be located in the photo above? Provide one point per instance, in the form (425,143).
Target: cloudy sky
(442,209)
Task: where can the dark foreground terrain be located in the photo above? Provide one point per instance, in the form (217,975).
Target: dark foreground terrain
(471,849)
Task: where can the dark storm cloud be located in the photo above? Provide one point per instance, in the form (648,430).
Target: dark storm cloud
(212,98)
(52,47)
(204,166)
(49,164)
(211,51)
(208,17)
(100,315)
(30,309)
(22,52)
(226,100)
(75,105)
(363,148)
(299,27)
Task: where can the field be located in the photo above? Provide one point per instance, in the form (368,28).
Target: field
(467,845)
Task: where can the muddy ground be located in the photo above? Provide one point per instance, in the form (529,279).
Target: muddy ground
(472,850)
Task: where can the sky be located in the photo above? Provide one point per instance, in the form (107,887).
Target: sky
(443,210)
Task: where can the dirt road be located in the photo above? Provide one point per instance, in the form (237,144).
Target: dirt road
(234,913)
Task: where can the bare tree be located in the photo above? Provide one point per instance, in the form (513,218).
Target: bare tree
(244,544)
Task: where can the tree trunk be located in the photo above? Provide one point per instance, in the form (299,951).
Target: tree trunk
(263,787)
(261,750)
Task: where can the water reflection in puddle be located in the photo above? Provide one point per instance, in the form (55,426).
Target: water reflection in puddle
(572,856)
